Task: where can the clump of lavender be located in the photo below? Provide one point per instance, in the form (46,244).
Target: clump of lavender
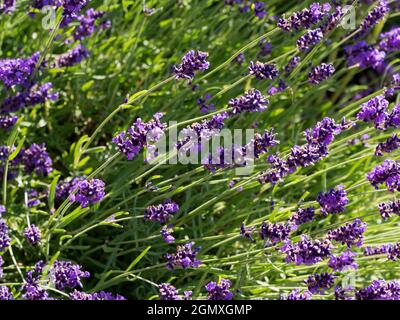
(307,251)
(261,143)
(185,257)
(263,71)
(7,121)
(380,290)
(324,132)
(36,159)
(297,295)
(132,141)
(393,118)
(319,283)
(390,41)
(4,237)
(220,290)
(388,208)
(88,192)
(65,274)
(7,7)
(350,234)
(251,101)
(168,292)
(293,62)
(374,16)
(387,173)
(18,71)
(321,73)
(333,201)
(5,293)
(275,232)
(192,62)
(166,234)
(364,55)
(72,57)
(391,144)
(66,187)
(302,215)
(247,232)
(102,295)
(87,24)
(374,110)
(309,39)
(343,262)
(32,289)
(161,212)
(32,234)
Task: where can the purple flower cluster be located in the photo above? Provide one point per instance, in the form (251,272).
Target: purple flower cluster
(247,232)
(72,57)
(191,62)
(321,73)
(161,212)
(391,144)
(297,295)
(36,159)
(275,232)
(32,234)
(66,274)
(333,20)
(350,234)
(202,103)
(390,41)
(343,262)
(374,110)
(302,215)
(18,71)
(7,121)
(4,237)
(392,251)
(102,295)
(32,290)
(387,173)
(324,132)
(309,39)
(388,208)
(263,71)
(140,134)
(343,293)
(319,283)
(5,293)
(293,62)
(380,290)
(166,234)
(219,291)
(307,251)
(87,24)
(265,48)
(66,187)
(251,101)
(333,201)
(261,143)
(184,257)
(364,55)
(168,292)
(374,16)
(88,192)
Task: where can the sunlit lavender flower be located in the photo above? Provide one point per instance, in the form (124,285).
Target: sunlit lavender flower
(168,292)
(166,233)
(309,39)
(66,187)
(263,70)
(5,293)
(261,143)
(390,41)
(321,73)
(364,55)
(380,290)
(71,9)
(343,262)
(18,71)
(392,143)
(325,131)
(65,274)
(247,232)
(219,291)
(297,295)
(302,215)
(280,169)
(4,237)
(251,101)
(72,57)
(36,159)
(319,283)
(185,257)
(374,16)
(32,234)
(191,62)
(307,251)
(333,20)
(8,6)
(279,88)
(393,118)
(293,62)
(333,201)
(350,234)
(388,208)
(374,110)
(275,232)
(7,122)
(161,212)
(387,173)
(88,192)
(132,141)
(87,24)
(102,295)
(306,155)
(32,290)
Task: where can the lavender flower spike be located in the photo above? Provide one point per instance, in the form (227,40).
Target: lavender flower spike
(333,201)
(321,73)
(191,62)
(161,212)
(88,192)
(185,257)
(219,291)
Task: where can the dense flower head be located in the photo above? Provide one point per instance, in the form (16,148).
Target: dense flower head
(102,295)
(139,135)
(390,41)
(166,234)
(32,289)
(392,143)
(391,250)
(293,62)
(392,119)
(374,16)
(374,110)
(333,201)
(36,159)
(88,192)
(71,9)
(380,290)
(32,234)
(307,251)
(342,262)
(7,6)
(220,290)
(263,70)
(247,232)
(161,212)
(72,57)
(204,106)
(306,155)
(296,294)
(5,293)
(18,71)
(280,169)
(87,23)
(350,234)
(319,283)
(261,143)
(7,121)
(259,10)
(325,131)
(321,73)
(65,274)
(303,215)
(309,39)
(333,20)
(388,208)
(251,101)
(4,237)
(364,55)
(275,232)
(191,62)
(387,173)
(168,292)
(185,257)
(66,187)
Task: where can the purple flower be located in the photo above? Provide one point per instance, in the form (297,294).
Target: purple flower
(388,208)
(33,198)
(32,290)
(374,16)
(4,237)
(265,48)
(259,9)
(102,295)
(319,283)
(32,234)
(72,57)
(161,212)
(260,144)
(202,103)
(391,144)
(184,257)
(191,62)
(309,39)
(303,215)
(166,233)
(393,118)
(325,131)
(333,20)
(306,155)
(387,173)
(275,232)
(350,234)
(219,291)
(364,55)
(7,122)
(297,295)
(307,251)
(280,169)
(343,293)
(380,290)
(343,262)
(66,187)
(293,62)
(18,71)
(374,110)
(390,41)
(169,292)
(65,274)
(251,101)
(87,24)
(392,251)
(247,232)
(36,159)
(5,293)
(1,264)
(240,59)
(263,70)
(333,201)
(321,73)
(7,6)
(88,192)
(71,8)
